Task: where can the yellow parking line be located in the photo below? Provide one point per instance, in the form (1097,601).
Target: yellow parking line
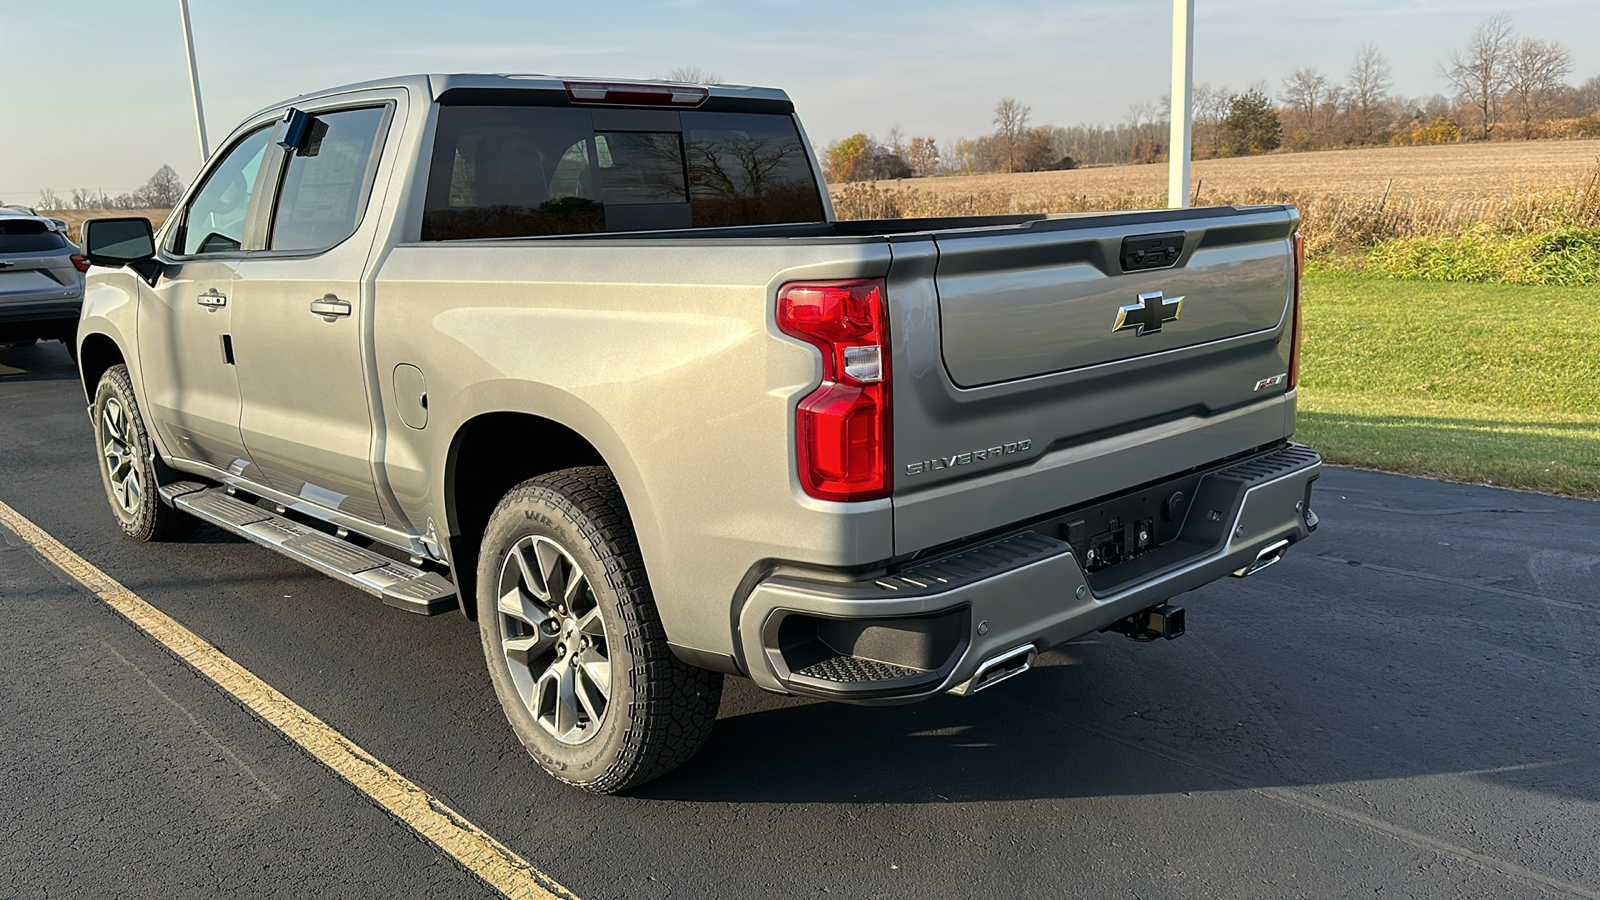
(481,854)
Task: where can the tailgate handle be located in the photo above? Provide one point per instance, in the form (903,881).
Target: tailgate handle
(212,300)
(1151,251)
(330,306)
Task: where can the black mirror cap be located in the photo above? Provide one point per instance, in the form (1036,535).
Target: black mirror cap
(118,242)
(129,241)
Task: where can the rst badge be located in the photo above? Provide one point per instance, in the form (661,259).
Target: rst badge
(1274,381)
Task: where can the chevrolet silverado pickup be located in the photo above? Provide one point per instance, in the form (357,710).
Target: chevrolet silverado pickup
(594,363)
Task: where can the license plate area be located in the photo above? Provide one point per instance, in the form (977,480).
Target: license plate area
(1119,530)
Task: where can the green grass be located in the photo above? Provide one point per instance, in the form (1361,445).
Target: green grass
(1487,383)
(1562,256)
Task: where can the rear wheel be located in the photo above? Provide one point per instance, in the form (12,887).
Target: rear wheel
(574,646)
(128,467)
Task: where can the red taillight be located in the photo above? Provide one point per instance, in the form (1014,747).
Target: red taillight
(842,428)
(80,262)
(636,94)
(1294,340)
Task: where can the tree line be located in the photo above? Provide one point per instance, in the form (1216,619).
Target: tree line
(162,191)
(1502,86)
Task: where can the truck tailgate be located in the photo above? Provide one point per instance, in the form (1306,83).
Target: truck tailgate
(1053,376)
(1015,307)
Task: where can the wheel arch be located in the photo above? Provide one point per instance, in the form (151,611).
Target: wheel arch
(97,352)
(478,471)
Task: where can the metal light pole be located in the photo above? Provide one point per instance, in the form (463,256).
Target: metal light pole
(194,81)
(1181,145)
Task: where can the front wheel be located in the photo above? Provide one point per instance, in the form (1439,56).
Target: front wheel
(574,645)
(128,466)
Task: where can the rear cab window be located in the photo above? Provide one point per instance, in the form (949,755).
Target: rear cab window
(524,171)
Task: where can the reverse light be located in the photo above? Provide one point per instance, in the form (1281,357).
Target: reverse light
(1294,340)
(626,94)
(78,262)
(842,427)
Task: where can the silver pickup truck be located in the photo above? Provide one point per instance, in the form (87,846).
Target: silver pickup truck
(594,362)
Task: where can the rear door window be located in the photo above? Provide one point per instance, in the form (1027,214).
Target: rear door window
(327,179)
(500,171)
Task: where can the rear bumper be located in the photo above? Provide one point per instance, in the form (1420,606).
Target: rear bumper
(930,627)
(54,317)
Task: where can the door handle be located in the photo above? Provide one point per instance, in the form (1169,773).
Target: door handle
(330,306)
(212,300)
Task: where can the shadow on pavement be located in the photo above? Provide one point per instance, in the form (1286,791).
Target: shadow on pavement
(44,361)
(1087,724)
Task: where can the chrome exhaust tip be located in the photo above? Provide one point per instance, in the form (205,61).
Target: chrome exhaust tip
(1269,556)
(1009,664)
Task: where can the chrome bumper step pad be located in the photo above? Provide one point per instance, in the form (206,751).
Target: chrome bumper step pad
(398,584)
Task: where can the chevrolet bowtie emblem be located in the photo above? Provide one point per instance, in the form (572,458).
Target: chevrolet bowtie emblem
(1147,315)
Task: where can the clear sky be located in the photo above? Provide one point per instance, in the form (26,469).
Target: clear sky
(94,93)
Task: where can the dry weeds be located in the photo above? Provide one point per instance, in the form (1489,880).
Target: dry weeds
(1350,199)
(75,217)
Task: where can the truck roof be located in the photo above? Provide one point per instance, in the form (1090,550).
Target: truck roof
(435,85)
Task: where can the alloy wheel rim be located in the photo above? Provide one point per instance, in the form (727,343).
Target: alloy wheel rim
(554,639)
(117,454)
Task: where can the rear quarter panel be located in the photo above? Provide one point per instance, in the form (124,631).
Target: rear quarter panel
(665,356)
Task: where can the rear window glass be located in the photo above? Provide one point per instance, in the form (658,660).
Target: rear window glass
(326,180)
(28,236)
(529,171)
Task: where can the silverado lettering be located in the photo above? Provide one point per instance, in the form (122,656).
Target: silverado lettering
(961,459)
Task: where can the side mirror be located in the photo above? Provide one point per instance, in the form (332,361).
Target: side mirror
(127,242)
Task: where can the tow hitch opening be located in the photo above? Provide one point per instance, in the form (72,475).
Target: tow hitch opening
(1164,621)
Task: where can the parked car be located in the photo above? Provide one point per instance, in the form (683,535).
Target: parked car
(593,362)
(41,283)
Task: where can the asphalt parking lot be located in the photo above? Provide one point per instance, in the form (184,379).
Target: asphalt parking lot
(1408,705)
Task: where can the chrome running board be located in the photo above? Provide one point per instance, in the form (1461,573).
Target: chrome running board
(398,584)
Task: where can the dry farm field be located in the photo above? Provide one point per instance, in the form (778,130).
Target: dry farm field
(1351,199)
(1454,172)
(75,217)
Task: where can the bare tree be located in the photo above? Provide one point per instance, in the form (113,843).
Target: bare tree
(1586,97)
(88,198)
(1536,74)
(1481,72)
(1304,93)
(49,200)
(895,141)
(1010,120)
(962,157)
(692,75)
(162,191)
(1210,108)
(1369,82)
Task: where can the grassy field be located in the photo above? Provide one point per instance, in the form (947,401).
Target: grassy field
(1492,384)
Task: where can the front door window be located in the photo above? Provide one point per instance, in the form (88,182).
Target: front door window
(215,219)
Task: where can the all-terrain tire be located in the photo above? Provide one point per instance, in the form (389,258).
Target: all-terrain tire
(129,469)
(658,710)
